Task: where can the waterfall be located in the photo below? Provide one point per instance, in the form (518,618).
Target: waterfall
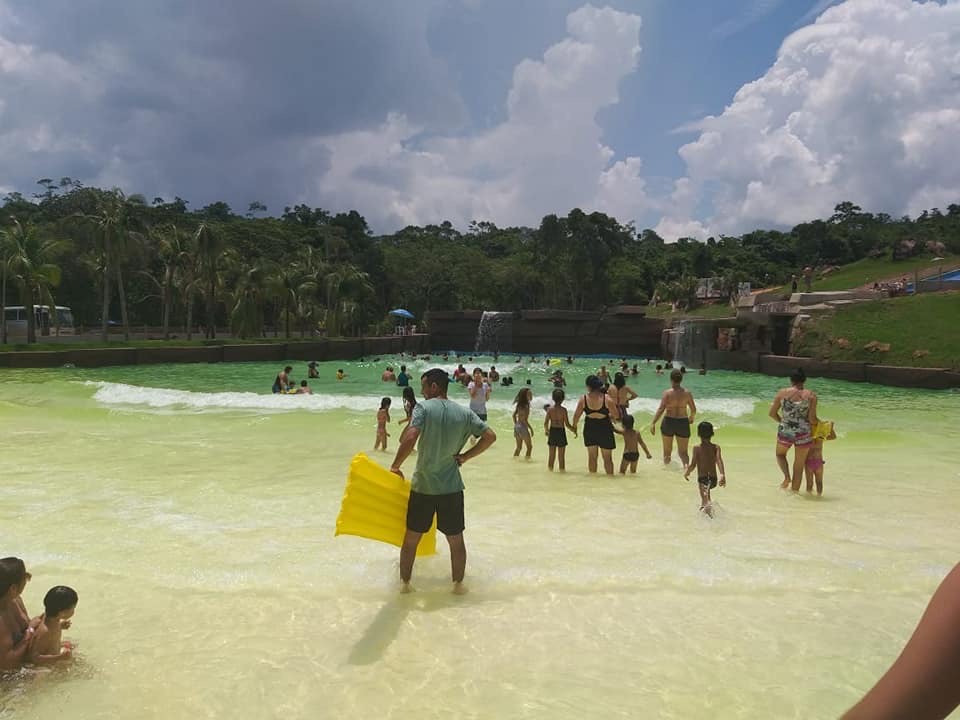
(495,333)
(690,340)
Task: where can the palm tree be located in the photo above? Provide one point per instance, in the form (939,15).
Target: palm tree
(342,282)
(5,252)
(171,247)
(30,263)
(287,284)
(209,247)
(186,280)
(246,301)
(113,219)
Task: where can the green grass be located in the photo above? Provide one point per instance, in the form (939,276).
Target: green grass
(720,310)
(928,322)
(871,270)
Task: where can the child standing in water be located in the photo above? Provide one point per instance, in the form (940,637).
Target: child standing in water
(813,466)
(706,459)
(59,605)
(522,431)
(555,425)
(383,417)
(409,403)
(632,442)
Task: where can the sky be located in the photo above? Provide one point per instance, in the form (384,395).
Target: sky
(692,117)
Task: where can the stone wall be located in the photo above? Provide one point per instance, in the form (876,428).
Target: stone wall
(620,331)
(320,350)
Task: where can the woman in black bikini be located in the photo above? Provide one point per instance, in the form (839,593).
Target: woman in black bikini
(599,412)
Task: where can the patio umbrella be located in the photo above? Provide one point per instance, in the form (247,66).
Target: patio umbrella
(400,312)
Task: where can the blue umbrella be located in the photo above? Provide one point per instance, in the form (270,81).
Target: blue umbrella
(400,312)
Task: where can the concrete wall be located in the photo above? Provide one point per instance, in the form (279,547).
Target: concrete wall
(620,332)
(325,349)
(783,366)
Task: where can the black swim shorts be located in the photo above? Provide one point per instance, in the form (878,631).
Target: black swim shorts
(448,509)
(679,427)
(631,457)
(708,481)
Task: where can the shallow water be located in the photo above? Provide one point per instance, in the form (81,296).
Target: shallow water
(193,512)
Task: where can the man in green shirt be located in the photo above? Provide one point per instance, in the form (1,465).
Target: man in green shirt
(442,426)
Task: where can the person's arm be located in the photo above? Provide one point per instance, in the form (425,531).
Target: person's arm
(576,414)
(812,416)
(40,653)
(775,409)
(692,405)
(489,391)
(646,450)
(613,409)
(488,438)
(12,656)
(472,389)
(693,462)
(660,411)
(408,441)
(546,424)
(631,395)
(723,473)
(924,682)
(566,421)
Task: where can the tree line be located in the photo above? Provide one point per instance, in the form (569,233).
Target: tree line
(114,257)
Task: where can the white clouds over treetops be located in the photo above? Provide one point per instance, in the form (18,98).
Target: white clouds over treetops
(863,105)
(546,156)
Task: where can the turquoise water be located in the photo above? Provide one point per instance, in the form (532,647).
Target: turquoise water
(193,512)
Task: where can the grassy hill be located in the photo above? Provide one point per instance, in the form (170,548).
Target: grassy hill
(927,323)
(871,270)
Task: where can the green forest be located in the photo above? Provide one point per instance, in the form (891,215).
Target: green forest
(121,259)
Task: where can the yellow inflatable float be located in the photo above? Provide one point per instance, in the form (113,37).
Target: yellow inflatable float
(374,506)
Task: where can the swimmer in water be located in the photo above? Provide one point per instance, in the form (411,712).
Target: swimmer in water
(556,425)
(304,388)
(632,442)
(59,605)
(383,419)
(282,382)
(16,634)
(706,459)
(676,422)
(522,432)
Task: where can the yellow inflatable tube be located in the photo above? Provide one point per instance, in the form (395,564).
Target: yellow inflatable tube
(375,506)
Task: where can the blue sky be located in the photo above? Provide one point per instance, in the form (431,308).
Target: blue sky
(695,117)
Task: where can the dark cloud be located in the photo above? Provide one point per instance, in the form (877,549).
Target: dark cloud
(219,99)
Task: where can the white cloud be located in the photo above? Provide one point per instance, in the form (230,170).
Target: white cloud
(547,156)
(863,105)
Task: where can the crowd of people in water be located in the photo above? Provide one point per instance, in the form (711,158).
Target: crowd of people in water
(603,412)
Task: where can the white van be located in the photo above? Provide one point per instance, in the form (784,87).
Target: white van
(44,324)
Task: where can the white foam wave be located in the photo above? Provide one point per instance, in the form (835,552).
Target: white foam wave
(162,398)
(121,394)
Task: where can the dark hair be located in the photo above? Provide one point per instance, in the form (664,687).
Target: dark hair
(409,395)
(477,370)
(303,383)
(403,368)
(705,430)
(558,395)
(59,599)
(521,399)
(618,380)
(339,369)
(627,422)
(676,376)
(594,383)
(659,367)
(288,368)
(438,377)
(385,403)
(798,377)
(13,572)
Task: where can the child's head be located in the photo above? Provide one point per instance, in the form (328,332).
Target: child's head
(303,383)
(659,368)
(705,430)
(339,371)
(60,602)
(558,396)
(409,395)
(594,383)
(385,403)
(627,422)
(288,369)
(403,368)
(523,397)
(13,578)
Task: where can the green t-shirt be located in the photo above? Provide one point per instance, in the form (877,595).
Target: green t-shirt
(444,428)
